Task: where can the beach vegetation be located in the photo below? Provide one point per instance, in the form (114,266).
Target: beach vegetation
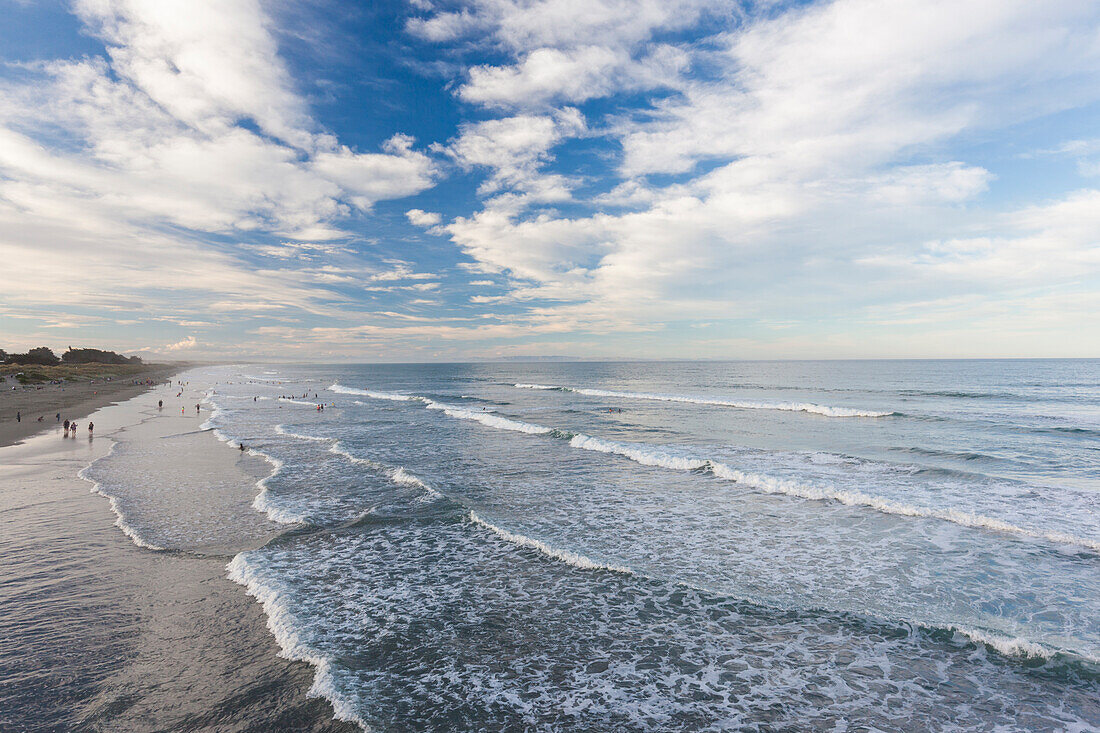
(41,355)
(97,356)
(87,372)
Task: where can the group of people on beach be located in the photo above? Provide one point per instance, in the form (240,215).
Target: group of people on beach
(69,429)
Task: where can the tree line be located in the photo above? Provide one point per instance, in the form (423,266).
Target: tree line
(44,356)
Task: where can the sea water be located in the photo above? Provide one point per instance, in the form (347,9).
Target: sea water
(891,545)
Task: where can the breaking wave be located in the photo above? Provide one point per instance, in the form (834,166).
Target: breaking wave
(810,407)
(649,456)
(571,558)
(341,389)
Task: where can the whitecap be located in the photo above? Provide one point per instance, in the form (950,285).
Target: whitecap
(810,407)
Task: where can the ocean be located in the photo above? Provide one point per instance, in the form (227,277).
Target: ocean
(860,545)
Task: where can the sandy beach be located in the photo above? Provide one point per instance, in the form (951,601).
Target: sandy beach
(72,400)
(97,633)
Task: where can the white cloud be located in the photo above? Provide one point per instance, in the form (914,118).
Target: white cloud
(115,171)
(1050,243)
(916,184)
(370,177)
(185,345)
(565,51)
(421,218)
(515,148)
(573,75)
(822,121)
(207,63)
(853,82)
(520,25)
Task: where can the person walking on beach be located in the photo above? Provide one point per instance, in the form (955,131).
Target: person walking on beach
(91,427)
(66,425)
(59,417)
(73,428)
(18,416)
(160,404)
(196,409)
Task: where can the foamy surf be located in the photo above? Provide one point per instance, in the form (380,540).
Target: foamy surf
(120,516)
(809,407)
(1009,646)
(867,606)
(264,503)
(648,456)
(373,394)
(570,558)
(488,418)
(398,475)
(283,625)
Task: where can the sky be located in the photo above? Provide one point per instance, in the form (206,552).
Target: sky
(431,180)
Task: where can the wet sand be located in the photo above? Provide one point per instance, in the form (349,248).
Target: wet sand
(99,634)
(73,400)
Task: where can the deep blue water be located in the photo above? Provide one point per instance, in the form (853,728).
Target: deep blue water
(889,545)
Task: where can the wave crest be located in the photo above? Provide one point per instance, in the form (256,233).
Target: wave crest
(825,410)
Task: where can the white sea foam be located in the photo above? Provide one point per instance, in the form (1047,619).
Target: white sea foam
(120,517)
(263,501)
(649,456)
(282,624)
(639,454)
(341,389)
(398,475)
(297,402)
(281,430)
(488,418)
(482,416)
(825,410)
(565,556)
(256,378)
(1009,646)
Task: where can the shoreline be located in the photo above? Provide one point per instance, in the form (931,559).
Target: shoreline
(101,634)
(73,401)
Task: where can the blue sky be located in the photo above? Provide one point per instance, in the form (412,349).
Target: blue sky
(429,180)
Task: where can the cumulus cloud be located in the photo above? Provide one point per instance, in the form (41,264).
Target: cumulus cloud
(369,177)
(549,75)
(817,123)
(562,52)
(421,218)
(187,344)
(637,163)
(515,148)
(135,165)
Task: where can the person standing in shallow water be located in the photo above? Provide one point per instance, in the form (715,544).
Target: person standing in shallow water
(91,427)
(66,424)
